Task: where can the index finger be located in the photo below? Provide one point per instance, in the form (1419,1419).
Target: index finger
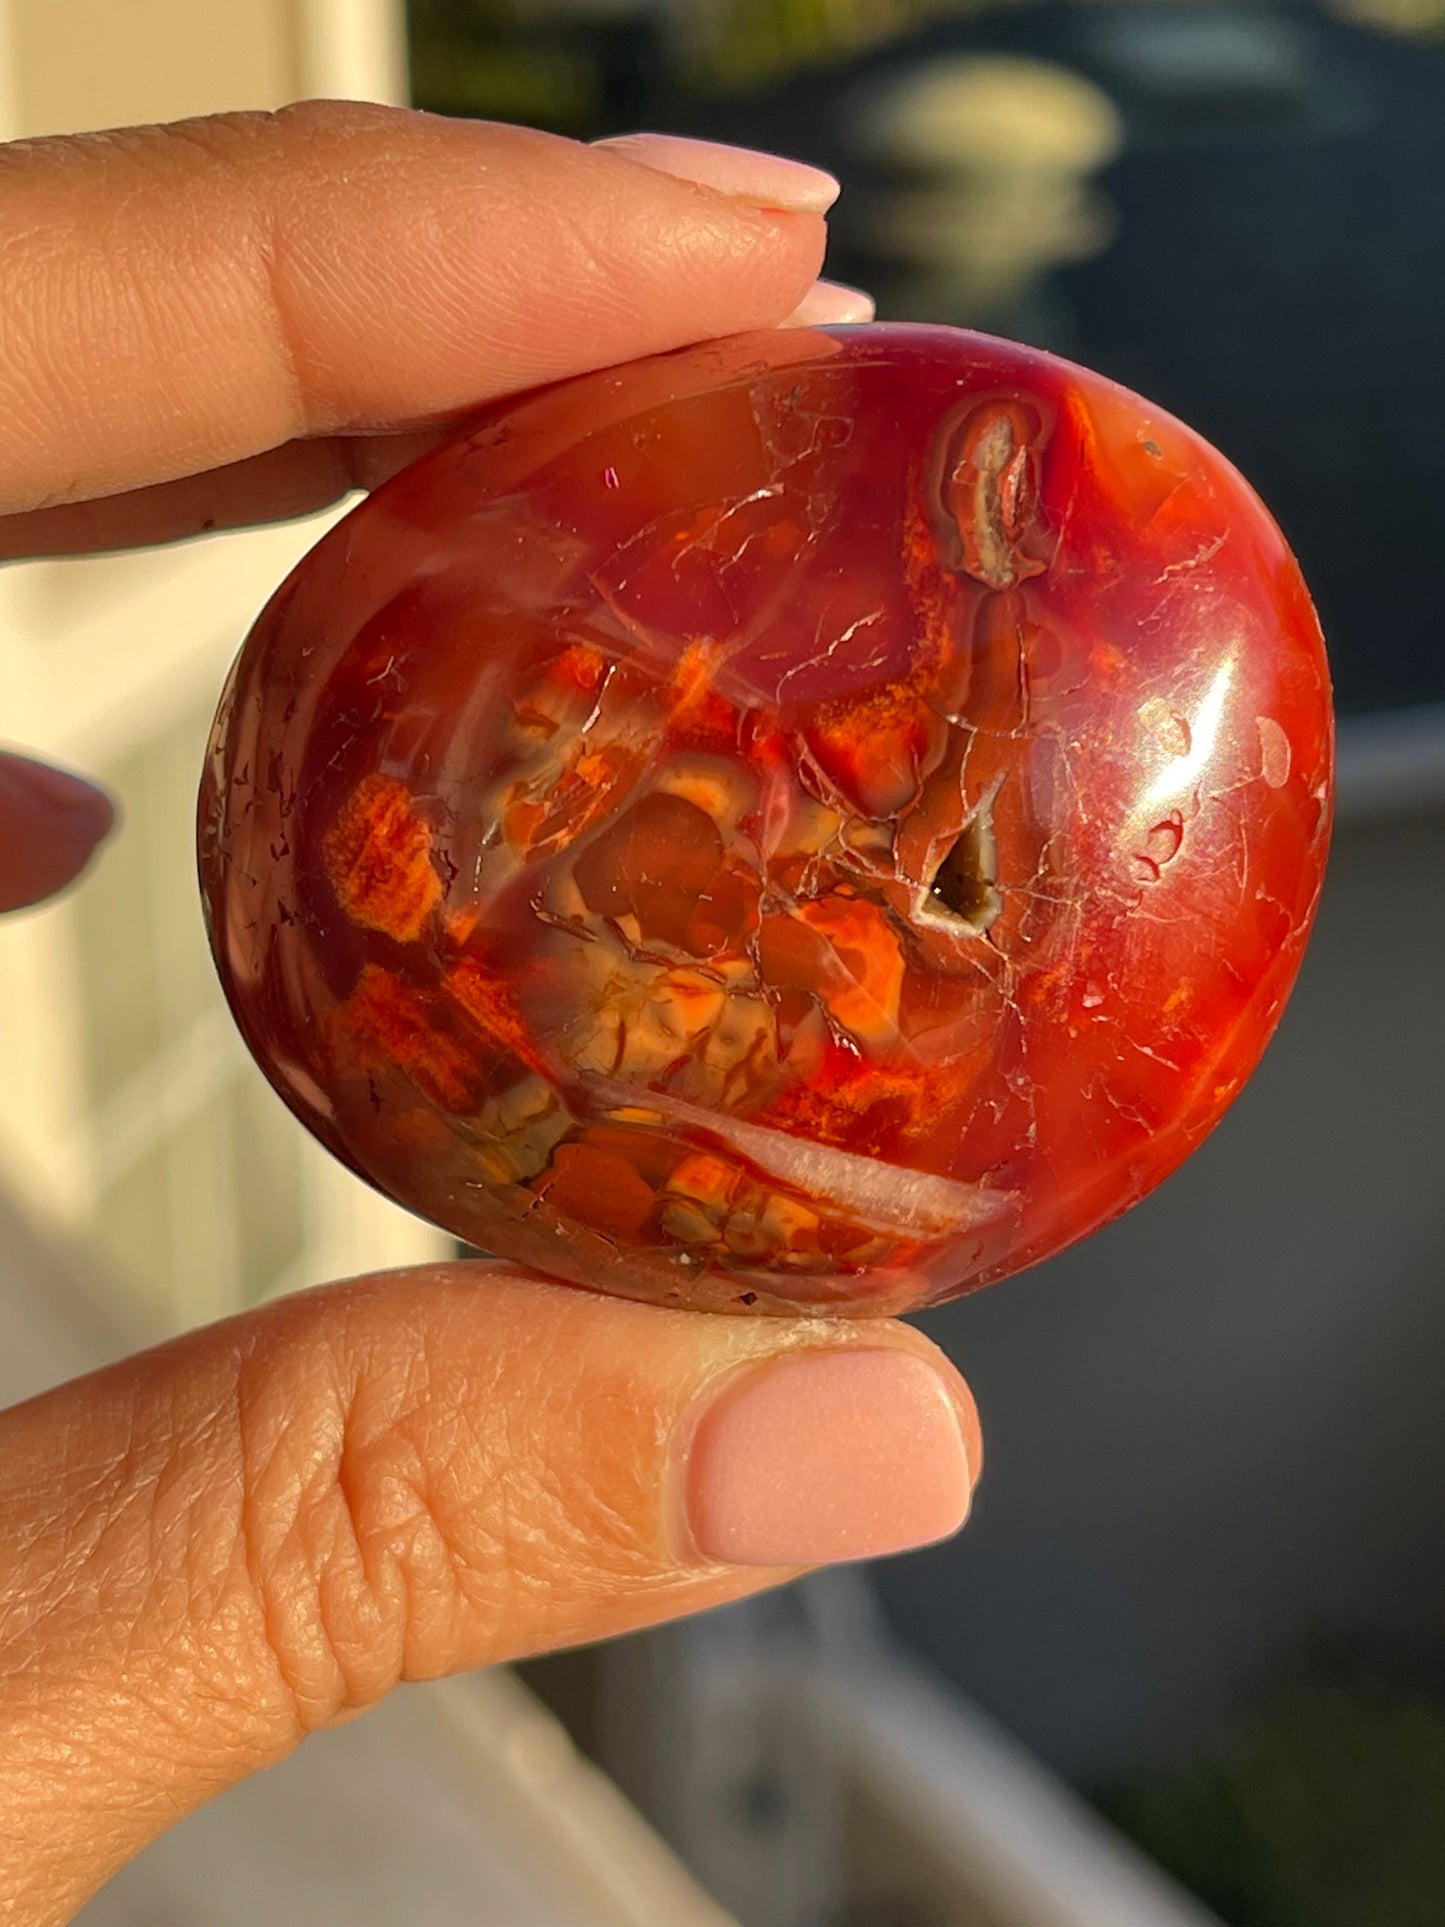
(175,298)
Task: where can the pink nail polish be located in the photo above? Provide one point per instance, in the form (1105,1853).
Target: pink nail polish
(831,301)
(42,790)
(824,1456)
(742,173)
(51,824)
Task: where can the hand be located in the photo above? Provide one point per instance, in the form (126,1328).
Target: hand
(211,1550)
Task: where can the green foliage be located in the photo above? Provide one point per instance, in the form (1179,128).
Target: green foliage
(747,43)
(508,60)
(471,57)
(1328,1811)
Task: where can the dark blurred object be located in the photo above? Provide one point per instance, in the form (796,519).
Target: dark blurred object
(1268,260)
(813,1775)
(581,69)
(888,1913)
(1325,1811)
(1237,209)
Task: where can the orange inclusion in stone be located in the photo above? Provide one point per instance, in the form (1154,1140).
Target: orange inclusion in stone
(378,857)
(600,1189)
(854,849)
(389,1025)
(486,1001)
(859,972)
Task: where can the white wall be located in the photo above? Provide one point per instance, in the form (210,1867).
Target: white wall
(129,1112)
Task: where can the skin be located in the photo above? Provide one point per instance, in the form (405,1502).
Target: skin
(212,1550)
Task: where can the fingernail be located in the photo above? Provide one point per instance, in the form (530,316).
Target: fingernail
(823,1456)
(51,793)
(766,180)
(831,301)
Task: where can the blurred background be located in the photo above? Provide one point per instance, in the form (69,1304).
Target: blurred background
(1188,1662)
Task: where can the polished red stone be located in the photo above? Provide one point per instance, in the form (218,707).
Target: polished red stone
(822,819)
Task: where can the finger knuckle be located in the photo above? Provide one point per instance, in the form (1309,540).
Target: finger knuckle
(341,1545)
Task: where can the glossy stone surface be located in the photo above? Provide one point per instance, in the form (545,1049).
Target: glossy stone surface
(821,819)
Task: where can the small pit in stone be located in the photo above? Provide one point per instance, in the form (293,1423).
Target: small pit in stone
(966,882)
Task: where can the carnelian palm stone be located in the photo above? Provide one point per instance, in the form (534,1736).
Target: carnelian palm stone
(819,820)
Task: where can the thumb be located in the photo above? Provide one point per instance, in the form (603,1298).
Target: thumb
(210,1550)
(51,824)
